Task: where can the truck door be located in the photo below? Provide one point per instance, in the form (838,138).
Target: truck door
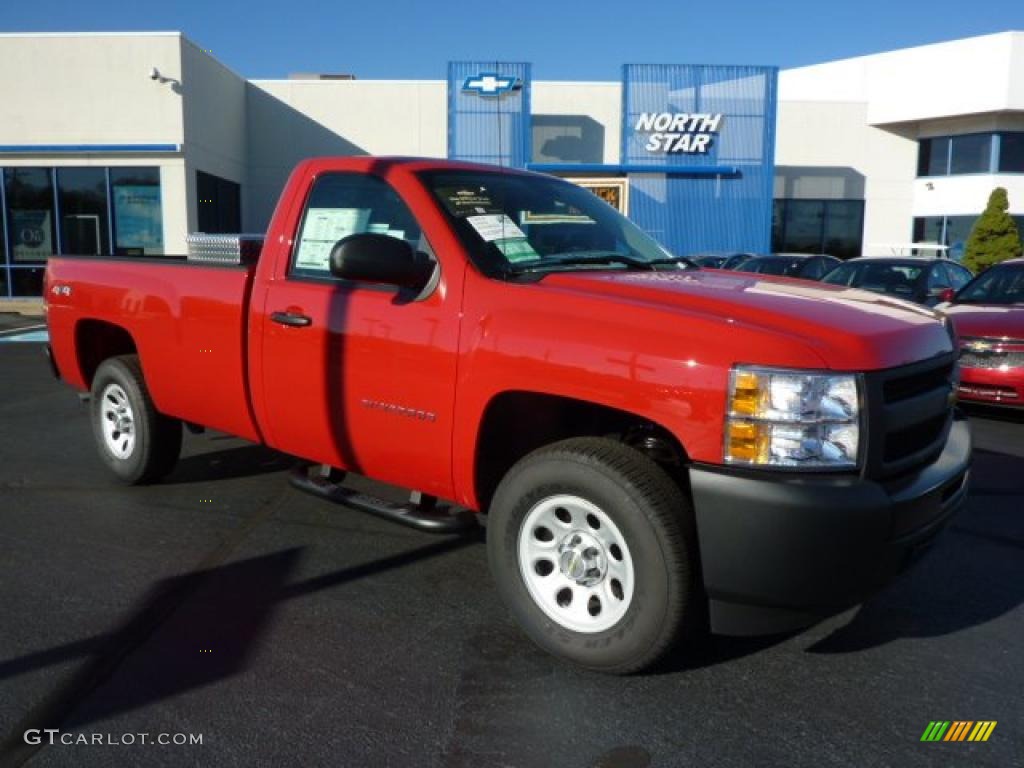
(352,376)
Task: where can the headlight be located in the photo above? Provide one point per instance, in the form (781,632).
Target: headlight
(789,418)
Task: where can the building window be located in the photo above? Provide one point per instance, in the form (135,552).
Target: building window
(933,157)
(969,153)
(1011,153)
(31,234)
(82,200)
(952,231)
(138,220)
(835,227)
(71,210)
(219,204)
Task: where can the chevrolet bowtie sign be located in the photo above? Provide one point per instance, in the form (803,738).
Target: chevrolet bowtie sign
(491,84)
(679,132)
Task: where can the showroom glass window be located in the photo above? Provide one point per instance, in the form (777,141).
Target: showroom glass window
(1011,153)
(138,221)
(957,155)
(835,227)
(31,227)
(82,201)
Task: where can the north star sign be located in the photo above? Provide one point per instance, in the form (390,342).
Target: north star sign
(491,84)
(678,132)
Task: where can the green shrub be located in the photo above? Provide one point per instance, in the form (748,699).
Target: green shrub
(994,237)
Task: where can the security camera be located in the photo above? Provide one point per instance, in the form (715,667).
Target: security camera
(154,73)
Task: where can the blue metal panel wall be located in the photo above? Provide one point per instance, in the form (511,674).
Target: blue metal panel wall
(692,211)
(489,128)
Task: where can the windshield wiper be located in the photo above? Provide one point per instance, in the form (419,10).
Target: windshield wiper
(581,260)
(673,260)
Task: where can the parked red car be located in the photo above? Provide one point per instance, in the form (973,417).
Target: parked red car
(988,314)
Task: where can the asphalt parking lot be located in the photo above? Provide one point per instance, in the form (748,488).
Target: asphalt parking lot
(287,631)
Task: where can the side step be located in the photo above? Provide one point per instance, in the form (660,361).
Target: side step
(421,512)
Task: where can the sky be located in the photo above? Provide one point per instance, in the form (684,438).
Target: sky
(564,39)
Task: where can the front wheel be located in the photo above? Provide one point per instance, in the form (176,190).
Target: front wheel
(137,442)
(591,547)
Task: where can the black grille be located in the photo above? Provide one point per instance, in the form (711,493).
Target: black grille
(909,411)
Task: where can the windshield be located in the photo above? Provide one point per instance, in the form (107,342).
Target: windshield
(513,223)
(893,279)
(999,285)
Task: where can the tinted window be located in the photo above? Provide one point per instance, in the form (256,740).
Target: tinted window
(32,237)
(971,154)
(138,221)
(998,285)
(894,279)
(343,204)
(1011,152)
(938,277)
(218,204)
(958,276)
(818,226)
(84,225)
(933,157)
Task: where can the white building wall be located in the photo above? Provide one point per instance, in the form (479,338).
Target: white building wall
(74,89)
(214,123)
(289,120)
(827,150)
(598,103)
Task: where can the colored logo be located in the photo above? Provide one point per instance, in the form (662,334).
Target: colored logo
(491,84)
(958,730)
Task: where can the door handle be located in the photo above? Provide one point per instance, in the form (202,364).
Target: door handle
(293,319)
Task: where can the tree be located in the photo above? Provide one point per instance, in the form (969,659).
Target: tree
(994,237)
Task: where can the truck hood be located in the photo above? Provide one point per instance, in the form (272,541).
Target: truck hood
(989,320)
(848,329)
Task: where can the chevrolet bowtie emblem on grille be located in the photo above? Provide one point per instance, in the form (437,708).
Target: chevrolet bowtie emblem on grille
(491,84)
(984,348)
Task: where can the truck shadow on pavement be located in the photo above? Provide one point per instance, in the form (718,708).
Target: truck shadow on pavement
(973,575)
(238,461)
(187,632)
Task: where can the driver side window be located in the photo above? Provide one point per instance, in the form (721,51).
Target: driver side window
(343,204)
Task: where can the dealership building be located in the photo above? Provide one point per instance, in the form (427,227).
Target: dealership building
(122,144)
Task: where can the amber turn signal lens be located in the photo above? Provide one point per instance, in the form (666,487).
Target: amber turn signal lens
(748,441)
(746,394)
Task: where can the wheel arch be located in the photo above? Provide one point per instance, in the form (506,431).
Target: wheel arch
(98,340)
(517,422)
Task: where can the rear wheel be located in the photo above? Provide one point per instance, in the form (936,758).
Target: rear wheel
(138,444)
(591,547)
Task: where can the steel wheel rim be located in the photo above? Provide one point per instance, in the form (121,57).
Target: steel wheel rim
(117,421)
(575,564)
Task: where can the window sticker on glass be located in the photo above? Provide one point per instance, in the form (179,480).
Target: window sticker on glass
(467,201)
(497,226)
(517,250)
(322,229)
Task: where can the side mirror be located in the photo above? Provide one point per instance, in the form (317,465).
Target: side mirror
(947,294)
(375,258)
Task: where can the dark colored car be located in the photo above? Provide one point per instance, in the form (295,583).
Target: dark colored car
(921,280)
(988,315)
(734,260)
(719,260)
(807,266)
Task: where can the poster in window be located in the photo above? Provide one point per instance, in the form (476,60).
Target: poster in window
(31,235)
(137,219)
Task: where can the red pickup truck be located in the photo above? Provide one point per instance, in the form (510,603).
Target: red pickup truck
(656,448)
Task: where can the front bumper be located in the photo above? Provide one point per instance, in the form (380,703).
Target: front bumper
(992,386)
(781,552)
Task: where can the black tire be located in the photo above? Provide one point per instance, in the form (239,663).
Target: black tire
(655,520)
(157,438)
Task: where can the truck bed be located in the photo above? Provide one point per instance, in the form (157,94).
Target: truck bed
(187,321)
